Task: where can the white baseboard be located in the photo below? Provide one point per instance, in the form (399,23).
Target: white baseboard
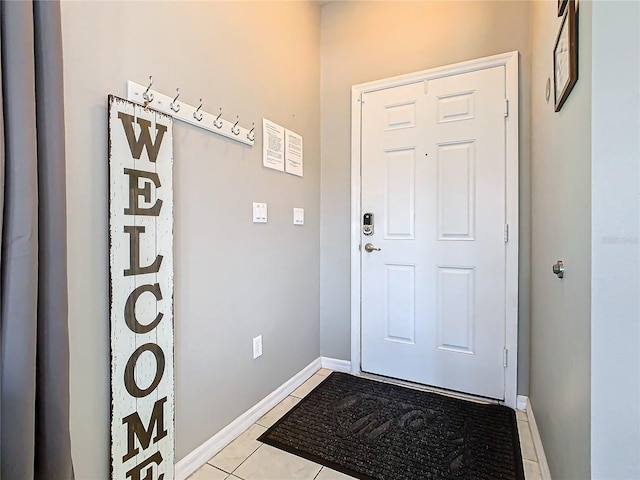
(336,365)
(537,443)
(198,457)
(522,402)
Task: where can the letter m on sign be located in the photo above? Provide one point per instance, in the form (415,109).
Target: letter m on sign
(141,303)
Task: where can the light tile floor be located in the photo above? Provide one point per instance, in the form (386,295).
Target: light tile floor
(247,459)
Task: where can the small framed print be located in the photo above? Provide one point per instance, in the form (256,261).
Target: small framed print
(562,5)
(565,56)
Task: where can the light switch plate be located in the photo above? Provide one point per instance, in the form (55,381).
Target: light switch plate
(259,212)
(257,347)
(298,216)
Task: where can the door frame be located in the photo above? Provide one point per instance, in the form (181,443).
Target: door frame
(510,61)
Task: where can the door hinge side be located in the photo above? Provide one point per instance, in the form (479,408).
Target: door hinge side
(505,357)
(506,233)
(506,107)
(426,86)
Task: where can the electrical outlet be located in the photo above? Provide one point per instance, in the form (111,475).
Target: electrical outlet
(257,346)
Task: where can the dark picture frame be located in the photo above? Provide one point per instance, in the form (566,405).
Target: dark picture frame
(565,56)
(562,5)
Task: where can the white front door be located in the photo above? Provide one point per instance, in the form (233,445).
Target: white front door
(433,176)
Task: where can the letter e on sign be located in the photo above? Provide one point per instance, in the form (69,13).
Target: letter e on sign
(141,303)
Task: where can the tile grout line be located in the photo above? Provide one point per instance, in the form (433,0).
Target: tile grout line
(524,430)
(536,462)
(259,446)
(254,451)
(231,472)
(247,458)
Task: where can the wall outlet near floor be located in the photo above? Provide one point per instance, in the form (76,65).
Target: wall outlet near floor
(257,346)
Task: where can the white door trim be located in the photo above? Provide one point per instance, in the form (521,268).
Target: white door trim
(510,62)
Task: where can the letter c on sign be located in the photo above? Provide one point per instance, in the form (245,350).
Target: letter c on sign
(129,377)
(130,309)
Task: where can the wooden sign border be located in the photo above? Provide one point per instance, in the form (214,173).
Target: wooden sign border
(140,154)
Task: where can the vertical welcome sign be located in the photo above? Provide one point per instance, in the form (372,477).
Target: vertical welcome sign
(141,262)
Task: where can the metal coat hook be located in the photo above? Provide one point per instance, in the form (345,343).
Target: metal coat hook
(215,122)
(234,130)
(191,113)
(173,105)
(148,97)
(197,115)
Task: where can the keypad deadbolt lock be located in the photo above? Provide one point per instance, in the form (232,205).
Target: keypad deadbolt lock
(367,224)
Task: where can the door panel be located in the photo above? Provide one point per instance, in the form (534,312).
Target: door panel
(399,194)
(456,287)
(456,191)
(401,309)
(433,175)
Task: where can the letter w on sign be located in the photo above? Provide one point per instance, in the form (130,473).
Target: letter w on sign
(144,138)
(141,304)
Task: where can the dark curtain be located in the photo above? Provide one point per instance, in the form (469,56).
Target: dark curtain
(34,369)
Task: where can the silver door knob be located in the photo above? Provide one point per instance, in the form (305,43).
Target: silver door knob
(558,269)
(369,247)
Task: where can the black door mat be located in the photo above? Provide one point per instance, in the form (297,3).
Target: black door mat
(374,430)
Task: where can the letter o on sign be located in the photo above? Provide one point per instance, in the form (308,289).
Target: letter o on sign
(129,377)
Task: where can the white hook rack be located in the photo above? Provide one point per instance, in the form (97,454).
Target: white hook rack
(161,102)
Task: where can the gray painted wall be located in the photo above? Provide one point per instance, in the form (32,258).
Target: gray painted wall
(233,280)
(561,229)
(615,279)
(364,41)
